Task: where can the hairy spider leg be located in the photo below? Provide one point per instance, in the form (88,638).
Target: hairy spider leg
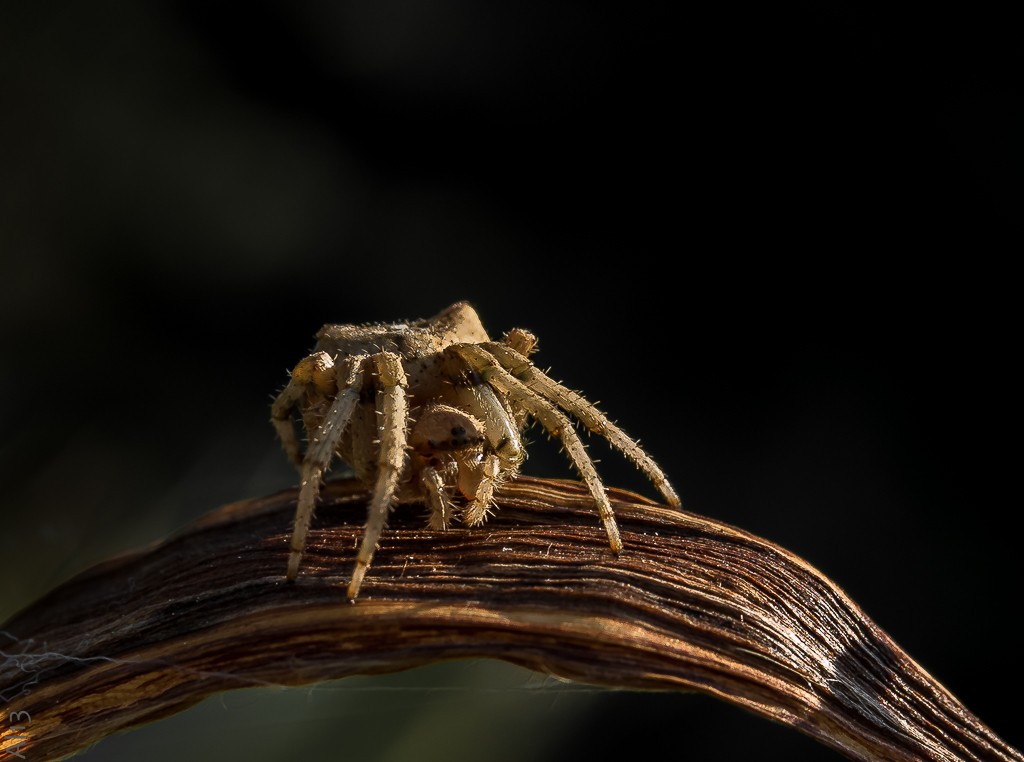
(441,509)
(394,411)
(502,432)
(316,373)
(525,343)
(479,507)
(281,417)
(595,421)
(554,422)
(322,444)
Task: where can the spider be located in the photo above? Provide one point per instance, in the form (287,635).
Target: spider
(423,409)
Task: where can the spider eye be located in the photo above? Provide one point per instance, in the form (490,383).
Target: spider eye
(445,428)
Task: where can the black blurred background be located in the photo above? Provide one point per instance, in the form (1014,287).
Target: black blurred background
(775,242)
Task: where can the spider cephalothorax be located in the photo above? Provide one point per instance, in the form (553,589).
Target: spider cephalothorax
(425,409)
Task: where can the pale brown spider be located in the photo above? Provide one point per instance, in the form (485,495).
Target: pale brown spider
(424,408)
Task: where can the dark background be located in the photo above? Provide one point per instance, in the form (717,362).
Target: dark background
(774,241)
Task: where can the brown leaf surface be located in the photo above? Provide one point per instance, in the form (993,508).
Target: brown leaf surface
(691,604)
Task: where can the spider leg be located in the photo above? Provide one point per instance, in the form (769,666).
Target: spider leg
(280,416)
(394,407)
(437,498)
(574,403)
(552,420)
(322,444)
(315,371)
(525,343)
(502,427)
(475,513)
(521,340)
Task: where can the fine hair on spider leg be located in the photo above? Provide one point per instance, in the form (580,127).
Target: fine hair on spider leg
(427,409)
